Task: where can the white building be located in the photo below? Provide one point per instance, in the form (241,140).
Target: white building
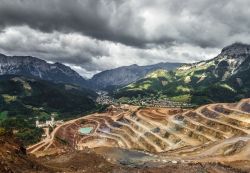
(48,123)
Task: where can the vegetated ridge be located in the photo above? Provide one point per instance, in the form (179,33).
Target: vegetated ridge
(110,79)
(24,100)
(224,78)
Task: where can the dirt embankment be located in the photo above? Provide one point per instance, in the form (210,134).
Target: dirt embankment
(88,162)
(13,159)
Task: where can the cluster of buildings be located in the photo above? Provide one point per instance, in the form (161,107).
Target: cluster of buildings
(104,98)
(48,123)
(153,102)
(163,103)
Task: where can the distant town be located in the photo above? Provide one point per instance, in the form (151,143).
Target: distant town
(105,99)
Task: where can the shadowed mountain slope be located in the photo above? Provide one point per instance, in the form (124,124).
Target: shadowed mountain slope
(33,67)
(125,75)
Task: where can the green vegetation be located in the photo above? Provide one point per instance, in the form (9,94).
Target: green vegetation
(23,100)
(199,83)
(181,98)
(2,131)
(3,115)
(9,98)
(30,136)
(23,129)
(42,98)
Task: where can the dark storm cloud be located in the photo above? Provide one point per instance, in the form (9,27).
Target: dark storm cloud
(67,48)
(88,55)
(207,23)
(102,19)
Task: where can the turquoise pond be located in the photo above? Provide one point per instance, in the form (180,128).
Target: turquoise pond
(85,130)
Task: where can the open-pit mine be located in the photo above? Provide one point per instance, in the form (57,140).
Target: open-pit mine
(214,133)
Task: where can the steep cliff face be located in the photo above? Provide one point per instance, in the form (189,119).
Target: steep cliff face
(232,60)
(34,67)
(236,49)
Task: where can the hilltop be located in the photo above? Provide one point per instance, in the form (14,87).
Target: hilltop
(29,66)
(223,78)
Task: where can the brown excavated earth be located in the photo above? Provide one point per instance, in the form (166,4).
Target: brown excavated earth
(92,163)
(211,138)
(13,159)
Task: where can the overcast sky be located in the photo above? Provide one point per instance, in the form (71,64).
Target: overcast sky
(95,35)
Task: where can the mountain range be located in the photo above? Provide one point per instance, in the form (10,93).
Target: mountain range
(127,74)
(23,96)
(32,89)
(33,67)
(223,78)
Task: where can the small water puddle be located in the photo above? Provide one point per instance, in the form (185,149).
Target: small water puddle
(85,130)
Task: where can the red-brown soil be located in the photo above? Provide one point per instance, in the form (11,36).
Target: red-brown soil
(207,138)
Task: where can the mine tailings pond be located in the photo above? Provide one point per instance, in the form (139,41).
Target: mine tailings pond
(85,130)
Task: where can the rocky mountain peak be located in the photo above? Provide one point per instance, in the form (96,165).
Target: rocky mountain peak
(236,49)
(35,67)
